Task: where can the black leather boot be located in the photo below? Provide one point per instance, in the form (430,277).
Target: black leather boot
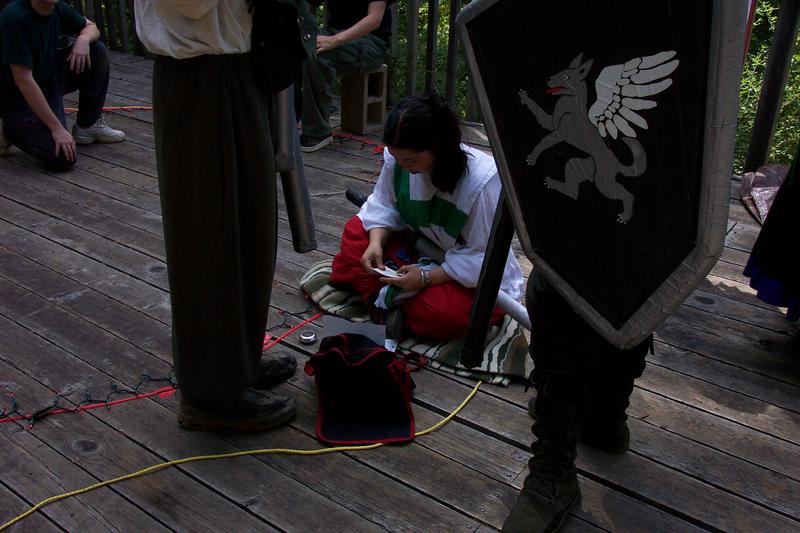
(606,426)
(551,488)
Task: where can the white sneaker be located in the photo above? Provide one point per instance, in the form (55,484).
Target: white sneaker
(98,132)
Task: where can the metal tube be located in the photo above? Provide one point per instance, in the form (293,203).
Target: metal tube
(289,163)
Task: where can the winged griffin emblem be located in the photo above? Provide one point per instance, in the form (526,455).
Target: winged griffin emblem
(622,92)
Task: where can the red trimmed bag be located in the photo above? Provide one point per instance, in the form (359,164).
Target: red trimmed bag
(364,392)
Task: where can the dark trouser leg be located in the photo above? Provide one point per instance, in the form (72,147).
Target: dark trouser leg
(30,135)
(606,427)
(566,345)
(92,84)
(217,183)
(551,487)
(568,356)
(361,55)
(25,130)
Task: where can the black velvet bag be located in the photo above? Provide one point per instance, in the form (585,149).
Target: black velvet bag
(364,392)
(277,49)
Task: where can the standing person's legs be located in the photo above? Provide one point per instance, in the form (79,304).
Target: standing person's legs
(579,377)
(217,183)
(565,353)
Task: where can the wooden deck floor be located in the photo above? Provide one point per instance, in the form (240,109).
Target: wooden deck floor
(83,303)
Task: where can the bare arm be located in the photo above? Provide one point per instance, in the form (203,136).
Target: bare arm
(23,78)
(79,59)
(373,255)
(368,24)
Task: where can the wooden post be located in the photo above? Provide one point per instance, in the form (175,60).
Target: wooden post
(111,36)
(413,47)
(138,49)
(430,60)
(452,54)
(777,70)
(124,25)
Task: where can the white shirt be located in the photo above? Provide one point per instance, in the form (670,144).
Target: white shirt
(463,262)
(187,28)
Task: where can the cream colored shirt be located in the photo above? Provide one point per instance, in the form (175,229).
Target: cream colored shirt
(189,28)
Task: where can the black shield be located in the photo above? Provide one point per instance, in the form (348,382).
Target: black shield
(612,123)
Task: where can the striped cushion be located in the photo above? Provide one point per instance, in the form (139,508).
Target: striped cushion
(505,355)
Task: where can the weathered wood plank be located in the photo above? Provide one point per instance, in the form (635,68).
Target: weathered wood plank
(732,378)
(173,499)
(144,297)
(632,471)
(615,509)
(14,506)
(39,472)
(75,197)
(258,489)
(64,210)
(745,410)
(8,293)
(727,340)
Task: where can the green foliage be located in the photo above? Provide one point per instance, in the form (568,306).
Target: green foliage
(787,131)
(399,61)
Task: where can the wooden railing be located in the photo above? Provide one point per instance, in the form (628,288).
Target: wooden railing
(115,19)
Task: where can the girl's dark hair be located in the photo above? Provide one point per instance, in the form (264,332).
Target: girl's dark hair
(420,123)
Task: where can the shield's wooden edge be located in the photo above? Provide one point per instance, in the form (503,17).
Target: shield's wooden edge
(724,78)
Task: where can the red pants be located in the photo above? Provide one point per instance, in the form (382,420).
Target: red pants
(440,312)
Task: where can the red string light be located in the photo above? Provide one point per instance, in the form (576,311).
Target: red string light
(164,392)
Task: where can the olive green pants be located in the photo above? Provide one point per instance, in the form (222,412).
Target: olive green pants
(362,55)
(217,183)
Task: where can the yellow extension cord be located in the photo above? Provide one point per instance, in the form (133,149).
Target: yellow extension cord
(288,451)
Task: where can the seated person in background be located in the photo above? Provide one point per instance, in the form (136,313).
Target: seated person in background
(355,39)
(446,191)
(39,65)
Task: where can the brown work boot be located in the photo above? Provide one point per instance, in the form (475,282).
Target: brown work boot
(551,488)
(274,369)
(254,410)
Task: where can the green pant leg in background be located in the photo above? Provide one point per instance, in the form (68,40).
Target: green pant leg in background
(362,55)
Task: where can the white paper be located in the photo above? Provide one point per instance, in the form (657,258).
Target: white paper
(387,272)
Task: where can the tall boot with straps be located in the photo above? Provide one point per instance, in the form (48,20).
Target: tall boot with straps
(551,488)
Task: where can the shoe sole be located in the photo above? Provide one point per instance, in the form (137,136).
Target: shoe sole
(205,423)
(84,142)
(558,520)
(322,144)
